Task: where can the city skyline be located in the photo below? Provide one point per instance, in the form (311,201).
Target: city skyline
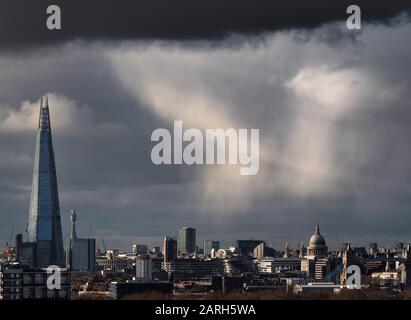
(204,158)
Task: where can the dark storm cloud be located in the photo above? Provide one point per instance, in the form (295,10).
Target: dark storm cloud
(23,23)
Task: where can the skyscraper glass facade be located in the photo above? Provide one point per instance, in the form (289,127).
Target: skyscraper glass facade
(44,227)
(187,240)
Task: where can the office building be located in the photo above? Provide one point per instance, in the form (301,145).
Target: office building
(83,255)
(326,270)
(82,251)
(169,249)
(140,249)
(209,245)
(144,268)
(112,261)
(20,283)
(187,240)
(44,227)
(374,265)
(185,269)
(236,265)
(246,247)
(272,265)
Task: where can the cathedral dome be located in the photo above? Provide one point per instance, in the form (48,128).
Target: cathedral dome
(317,240)
(317,246)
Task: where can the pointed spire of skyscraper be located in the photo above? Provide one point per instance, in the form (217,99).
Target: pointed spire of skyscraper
(44,118)
(46,101)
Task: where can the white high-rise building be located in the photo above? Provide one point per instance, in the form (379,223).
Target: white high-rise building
(259,251)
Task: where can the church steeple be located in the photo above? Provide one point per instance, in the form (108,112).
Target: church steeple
(301,255)
(286,251)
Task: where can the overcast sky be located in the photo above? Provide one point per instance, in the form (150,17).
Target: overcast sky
(332,106)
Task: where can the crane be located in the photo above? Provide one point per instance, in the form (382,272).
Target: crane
(11,236)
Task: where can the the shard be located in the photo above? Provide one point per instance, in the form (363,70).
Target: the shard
(44,227)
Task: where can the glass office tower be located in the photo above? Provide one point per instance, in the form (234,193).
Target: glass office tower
(44,228)
(187,240)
